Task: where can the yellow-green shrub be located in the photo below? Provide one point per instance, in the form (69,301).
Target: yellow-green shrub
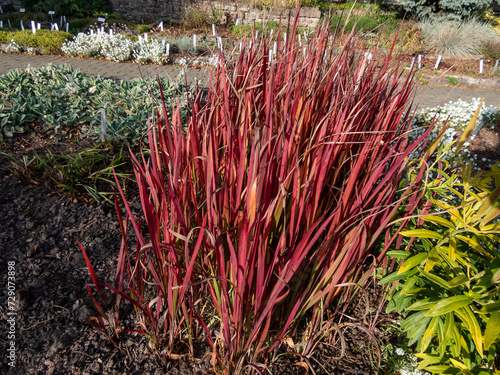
(49,42)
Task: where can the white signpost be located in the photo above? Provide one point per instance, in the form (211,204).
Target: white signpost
(438,61)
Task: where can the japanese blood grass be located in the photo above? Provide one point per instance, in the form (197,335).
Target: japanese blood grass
(266,205)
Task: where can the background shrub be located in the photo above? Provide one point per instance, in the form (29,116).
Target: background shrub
(49,42)
(454,9)
(76,8)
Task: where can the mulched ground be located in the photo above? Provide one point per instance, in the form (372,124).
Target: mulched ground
(38,231)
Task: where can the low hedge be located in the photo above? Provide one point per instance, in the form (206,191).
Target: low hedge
(49,42)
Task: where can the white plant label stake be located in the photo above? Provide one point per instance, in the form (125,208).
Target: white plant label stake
(145,37)
(110,31)
(420,61)
(1,10)
(38,26)
(304,50)
(22,26)
(241,46)
(194,41)
(139,38)
(271,33)
(256,34)
(33,27)
(67,27)
(412,63)
(275,48)
(56,27)
(300,41)
(161,26)
(91,31)
(103,125)
(213,29)
(1,24)
(438,61)
(496,66)
(8,21)
(60,21)
(305,35)
(481,66)
(51,13)
(237,21)
(270,56)
(168,49)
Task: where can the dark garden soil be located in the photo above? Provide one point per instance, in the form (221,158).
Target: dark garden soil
(39,229)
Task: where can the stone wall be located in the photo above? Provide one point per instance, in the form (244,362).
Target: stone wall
(162,10)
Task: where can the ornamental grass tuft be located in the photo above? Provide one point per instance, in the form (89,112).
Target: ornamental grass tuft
(263,209)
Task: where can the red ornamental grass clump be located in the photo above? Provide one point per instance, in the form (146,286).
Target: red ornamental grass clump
(268,202)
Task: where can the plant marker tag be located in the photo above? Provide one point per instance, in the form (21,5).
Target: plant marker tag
(237,21)
(412,63)
(1,10)
(219,42)
(270,56)
(369,55)
(305,35)
(102,29)
(8,21)
(304,50)
(161,25)
(110,31)
(60,21)
(145,37)
(168,49)
(241,46)
(300,41)
(56,27)
(213,29)
(496,66)
(51,13)
(1,24)
(163,43)
(194,41)
(64,18)
(250,45)
(140,38)
(91,31)
(271,33)
(103,124)
(438,61)
(481,66)
(275,48)
(256,34)
(22,25)
(38,26)
(100,19)
(67,27)
(22,10)
(420,61)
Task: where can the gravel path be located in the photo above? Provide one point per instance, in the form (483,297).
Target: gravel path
(426,96)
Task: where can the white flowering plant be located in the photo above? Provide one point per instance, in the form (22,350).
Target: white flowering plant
(14,47)
(457,115)
(112,47)
(150,50)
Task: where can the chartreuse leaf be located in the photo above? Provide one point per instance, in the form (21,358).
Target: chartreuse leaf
(468,129)
(430,332)
(490,307)
(395,276)
(435,279)
(462,367)
(423,304)
(465,314)
(422,233)
(412,262)
(440,369)
(432,259)
(398,254)
(427,359)
(448,305)
(458,280)
(492,332)
(438,220)
(452,248)
(495,279)
(472,242)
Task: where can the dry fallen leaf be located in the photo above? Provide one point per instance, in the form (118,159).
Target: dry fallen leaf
(302,364)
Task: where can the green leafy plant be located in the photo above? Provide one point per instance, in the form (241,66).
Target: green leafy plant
(452,80)
(448,286)
(49,42)
(63,98)
(455,9)
(264,205)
